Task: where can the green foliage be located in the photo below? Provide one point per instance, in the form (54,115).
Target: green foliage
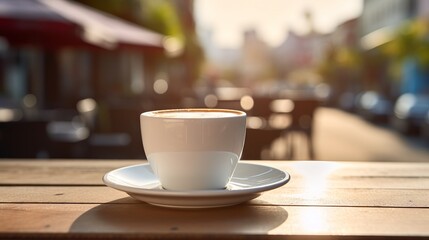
(161,16)
(157,15)
(411,40)
(340,58)
(120,8)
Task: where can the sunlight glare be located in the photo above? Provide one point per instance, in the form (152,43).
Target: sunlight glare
(210,101)
(247,102)
(315,178)
(271,19)
(312,220)
(160,86)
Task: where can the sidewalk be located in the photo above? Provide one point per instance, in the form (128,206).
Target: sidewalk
(341,136)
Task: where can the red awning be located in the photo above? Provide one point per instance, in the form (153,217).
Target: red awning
(54,23)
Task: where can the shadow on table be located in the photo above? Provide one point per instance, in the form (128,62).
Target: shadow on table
(130,216)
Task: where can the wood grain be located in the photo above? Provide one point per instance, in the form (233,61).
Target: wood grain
(304,174)
(58,172)
(67,199)
(282,197)
(233,221)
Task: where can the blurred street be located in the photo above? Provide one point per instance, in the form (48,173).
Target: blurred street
(341,136)
(73,79)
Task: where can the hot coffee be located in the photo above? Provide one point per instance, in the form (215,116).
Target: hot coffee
(193,149)
(195,113)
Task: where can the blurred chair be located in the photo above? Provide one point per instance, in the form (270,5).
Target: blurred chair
(259,134)
(70,134)
(108,144)
(301,112)
(260,106)
(22,139)
(78,137)
(227,98)
(270,118)
(258,140)
(87,109)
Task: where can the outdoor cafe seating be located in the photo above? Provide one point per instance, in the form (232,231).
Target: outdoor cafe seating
(290,116)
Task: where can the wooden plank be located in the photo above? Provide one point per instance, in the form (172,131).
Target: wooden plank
(378,183)
(94,179)
(337,169)
(283,196)
(59,172)
(349,169)
(243,220)
(358,197)
(321,175)
(304,174)
(353,169)
(31,194)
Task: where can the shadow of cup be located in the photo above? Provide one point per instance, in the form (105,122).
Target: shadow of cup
(133,217)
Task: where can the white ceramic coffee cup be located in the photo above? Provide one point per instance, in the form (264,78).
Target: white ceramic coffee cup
(193,149)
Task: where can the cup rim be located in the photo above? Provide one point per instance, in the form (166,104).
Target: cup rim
(236,113)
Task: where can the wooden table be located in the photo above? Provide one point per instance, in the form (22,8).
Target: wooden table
(343,200)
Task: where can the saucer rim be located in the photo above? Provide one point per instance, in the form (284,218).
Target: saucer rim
(197,193)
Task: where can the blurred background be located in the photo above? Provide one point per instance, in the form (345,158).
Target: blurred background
(324,80)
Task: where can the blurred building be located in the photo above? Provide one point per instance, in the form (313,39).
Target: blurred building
(301,52)
(423,8)
(380,18)
(341,66)
(62,52)
(255,61)
(225,59)
(347,34)
(54,54)
(381,23)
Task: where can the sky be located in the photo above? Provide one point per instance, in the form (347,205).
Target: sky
(272,19)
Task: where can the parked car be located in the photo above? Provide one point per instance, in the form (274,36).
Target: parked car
(373,106)
(410,112)
(425,127)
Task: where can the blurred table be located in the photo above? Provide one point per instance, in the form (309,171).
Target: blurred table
(340,200)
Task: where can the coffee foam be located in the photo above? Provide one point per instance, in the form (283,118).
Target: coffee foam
(196,114)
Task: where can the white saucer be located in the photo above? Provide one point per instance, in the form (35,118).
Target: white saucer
(248,181)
